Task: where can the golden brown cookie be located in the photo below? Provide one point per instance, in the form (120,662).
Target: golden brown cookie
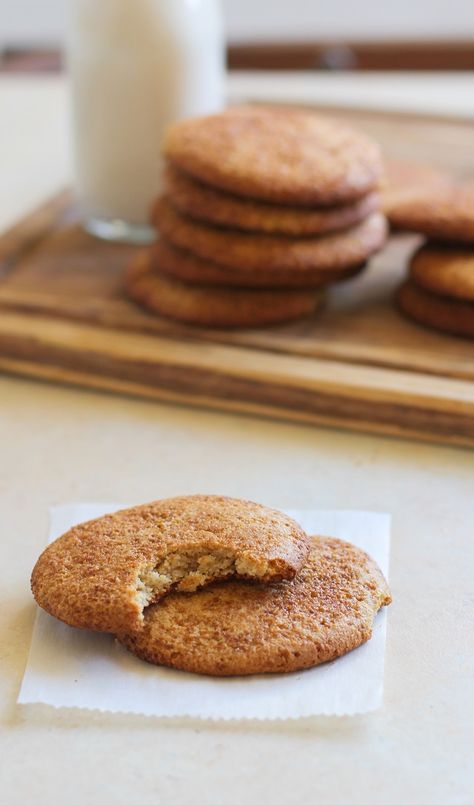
(443,213)
(254,252)
(104,573)
(214,306)
(444,270)
(449,315)
(237,628)
(204,203)
(404,181)
(276,154)
(176,262)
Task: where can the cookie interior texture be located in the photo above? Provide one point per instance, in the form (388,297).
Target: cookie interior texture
(103,574)
(187,570)
(236,628)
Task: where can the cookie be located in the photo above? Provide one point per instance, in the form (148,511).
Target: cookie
(237,628)
(174,262)
(405,181)
(214,306)
(253,252)
(444,270)
(104,573)
(443,213)
(448,315)
(276,154)
(204,203)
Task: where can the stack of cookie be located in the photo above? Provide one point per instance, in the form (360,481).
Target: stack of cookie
(212,585)
(263,208)
(439,292)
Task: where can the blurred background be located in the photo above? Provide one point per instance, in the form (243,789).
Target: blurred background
(282,34)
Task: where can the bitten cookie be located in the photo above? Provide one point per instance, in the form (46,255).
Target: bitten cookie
(445,270)
(276,154)
(449,315)
(254,252)
(237,628)
(212,306)
(103,574)
(175,262)
(204,203)
(444,213)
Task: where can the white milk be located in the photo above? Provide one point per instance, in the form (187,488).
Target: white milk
(136,65)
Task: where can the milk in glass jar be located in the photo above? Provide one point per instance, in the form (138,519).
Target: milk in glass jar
(136,66)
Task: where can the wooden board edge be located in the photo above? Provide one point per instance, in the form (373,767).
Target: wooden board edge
(29,338)
(94,382)
(24,303)
(229,378)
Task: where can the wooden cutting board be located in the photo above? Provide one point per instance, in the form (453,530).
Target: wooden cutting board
(359,365)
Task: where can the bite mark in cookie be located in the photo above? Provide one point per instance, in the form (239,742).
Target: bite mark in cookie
(102,574)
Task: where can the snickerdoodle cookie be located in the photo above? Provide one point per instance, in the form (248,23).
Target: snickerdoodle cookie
(445,270)
(254,252)
(276,154)
(179,263)
(440,313)
(238,628)
(443,213)
(214,306)
(404,181)
(205,203)
(103,574)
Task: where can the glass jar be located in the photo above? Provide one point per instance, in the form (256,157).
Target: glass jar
(136,66)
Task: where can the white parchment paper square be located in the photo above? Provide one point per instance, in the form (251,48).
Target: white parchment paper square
(75,668)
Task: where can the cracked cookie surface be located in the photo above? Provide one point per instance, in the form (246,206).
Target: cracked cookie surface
(276,154)
(238,628)
(102,574)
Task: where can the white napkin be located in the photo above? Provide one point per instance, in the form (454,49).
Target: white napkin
(75,668)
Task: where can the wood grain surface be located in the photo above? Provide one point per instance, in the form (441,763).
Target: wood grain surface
(358,365)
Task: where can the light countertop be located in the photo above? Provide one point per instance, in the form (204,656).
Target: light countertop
(62,444)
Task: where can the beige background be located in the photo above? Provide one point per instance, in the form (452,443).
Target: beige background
(59,445)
